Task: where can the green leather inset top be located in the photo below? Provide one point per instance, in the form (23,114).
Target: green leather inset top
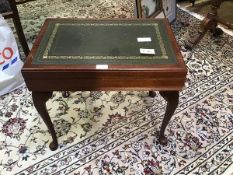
(104,42)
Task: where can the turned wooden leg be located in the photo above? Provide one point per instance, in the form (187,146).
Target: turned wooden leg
(210,22)
(172,98)
(192,41)
(39,99)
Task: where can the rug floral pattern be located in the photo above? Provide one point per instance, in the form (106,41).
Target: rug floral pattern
(116,133)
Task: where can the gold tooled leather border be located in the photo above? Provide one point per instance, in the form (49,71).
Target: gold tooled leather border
(57,25)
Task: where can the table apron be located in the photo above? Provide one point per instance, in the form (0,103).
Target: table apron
(105,84)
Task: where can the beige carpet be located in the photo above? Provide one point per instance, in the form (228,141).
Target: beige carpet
(115,133)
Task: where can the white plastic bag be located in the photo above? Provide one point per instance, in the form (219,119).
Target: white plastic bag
(10,62)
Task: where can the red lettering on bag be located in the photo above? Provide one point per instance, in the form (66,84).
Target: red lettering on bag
(5,55)
(10,50)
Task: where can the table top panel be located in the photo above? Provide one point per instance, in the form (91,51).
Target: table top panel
(104,42)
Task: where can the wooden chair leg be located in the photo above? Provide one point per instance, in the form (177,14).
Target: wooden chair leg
(210,22)
(18,26)
(22,39)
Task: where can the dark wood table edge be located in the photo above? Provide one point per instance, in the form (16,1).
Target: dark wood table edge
(180,61)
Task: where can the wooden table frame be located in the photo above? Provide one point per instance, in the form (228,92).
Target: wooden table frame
(42,80)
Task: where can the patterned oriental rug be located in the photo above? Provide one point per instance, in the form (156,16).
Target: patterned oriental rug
(115,133)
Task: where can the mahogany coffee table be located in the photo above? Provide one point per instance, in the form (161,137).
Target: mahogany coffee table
(105,55)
